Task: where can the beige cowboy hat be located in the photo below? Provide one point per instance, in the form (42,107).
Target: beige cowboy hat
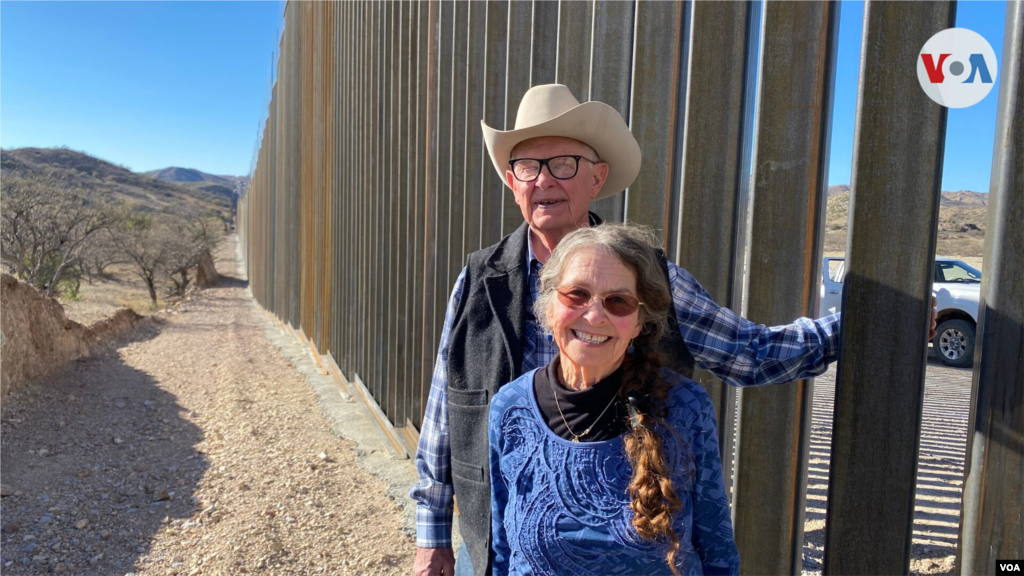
(551,110)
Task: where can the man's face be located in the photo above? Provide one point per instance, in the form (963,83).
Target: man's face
(553,206)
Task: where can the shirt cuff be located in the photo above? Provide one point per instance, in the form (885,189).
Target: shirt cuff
(433,527)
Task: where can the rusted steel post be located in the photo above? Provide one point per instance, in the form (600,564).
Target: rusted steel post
(517,82)
(894,210)
(790,179)
(421,358)
(492,191)
(713,171)
(473,152)
(653,110)
(390,209)
(457,145)
(572,66)
(992,517)
(431,324)
(544,44)
(397,376)
(611,70)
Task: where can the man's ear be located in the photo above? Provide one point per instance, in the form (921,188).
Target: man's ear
(601,172)
(509,178)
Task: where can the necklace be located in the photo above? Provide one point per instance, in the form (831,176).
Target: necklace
(576,437)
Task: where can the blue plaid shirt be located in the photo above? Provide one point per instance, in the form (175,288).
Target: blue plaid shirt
(733,348)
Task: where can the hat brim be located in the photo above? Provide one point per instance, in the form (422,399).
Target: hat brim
(594,123)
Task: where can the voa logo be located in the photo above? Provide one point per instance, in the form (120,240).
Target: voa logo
(957,68)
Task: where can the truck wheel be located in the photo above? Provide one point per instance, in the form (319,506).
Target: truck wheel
(954,343)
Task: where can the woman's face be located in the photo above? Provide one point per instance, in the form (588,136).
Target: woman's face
(591,340)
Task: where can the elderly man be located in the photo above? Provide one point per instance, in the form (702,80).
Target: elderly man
(560,156)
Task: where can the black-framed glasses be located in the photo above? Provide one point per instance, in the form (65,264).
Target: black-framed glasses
(561,167)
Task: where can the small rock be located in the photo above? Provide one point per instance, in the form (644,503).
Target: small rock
(60,567)
(85,473)
(43,452)
(81,524)
(46,519)
(148,404)
(118,440)
(96,558)
(161,494)
(120,404)
(322,456)
(11,527)
(6,490)
(105,534)
(40,559)
(29,548)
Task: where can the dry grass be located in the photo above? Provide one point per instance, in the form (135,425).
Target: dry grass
(103,298)
(961,231)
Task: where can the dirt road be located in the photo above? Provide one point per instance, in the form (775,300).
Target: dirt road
(196,449)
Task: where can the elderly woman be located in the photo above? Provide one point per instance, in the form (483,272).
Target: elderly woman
(603,462)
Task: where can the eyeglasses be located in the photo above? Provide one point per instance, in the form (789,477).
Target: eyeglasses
(619,304)
(561,167)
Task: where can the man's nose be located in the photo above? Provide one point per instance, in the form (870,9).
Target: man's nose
(545,179)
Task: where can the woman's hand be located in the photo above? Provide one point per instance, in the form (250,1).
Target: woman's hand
(434,562)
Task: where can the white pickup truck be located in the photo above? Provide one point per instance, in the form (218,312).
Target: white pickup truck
(957,287)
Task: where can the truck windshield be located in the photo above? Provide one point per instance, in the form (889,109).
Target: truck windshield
(957,271)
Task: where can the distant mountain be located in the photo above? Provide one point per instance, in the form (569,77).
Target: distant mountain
(175,174)
(962,221)
(116,182)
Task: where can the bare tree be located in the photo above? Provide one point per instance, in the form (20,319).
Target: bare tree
(103,253)
(146,242)
(194,234)
(48,226)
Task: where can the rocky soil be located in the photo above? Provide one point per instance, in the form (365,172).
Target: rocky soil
(197,448)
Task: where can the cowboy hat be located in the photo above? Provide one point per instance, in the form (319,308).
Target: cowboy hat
(551,110)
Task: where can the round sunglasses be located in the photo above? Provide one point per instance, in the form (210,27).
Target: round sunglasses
(617,304)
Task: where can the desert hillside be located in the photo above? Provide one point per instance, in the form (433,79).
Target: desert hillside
(962,220)
(114,182)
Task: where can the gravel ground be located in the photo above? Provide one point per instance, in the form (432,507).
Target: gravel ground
(947,395)
(196,448)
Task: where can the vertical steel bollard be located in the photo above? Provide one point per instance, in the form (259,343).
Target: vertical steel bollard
(790,177)
(992,518)
(710,235)
(894,211)
(496,52)
(658,46)
(611,63)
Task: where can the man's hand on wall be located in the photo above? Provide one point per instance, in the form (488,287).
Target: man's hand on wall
(935,315)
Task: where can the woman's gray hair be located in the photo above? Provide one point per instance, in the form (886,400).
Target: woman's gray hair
(635,247)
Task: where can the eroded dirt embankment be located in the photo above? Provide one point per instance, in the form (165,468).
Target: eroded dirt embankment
(37,337)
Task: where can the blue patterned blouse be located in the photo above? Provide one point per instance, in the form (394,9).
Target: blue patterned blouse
(559,507)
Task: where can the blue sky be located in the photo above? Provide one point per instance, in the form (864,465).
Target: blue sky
(146,85)
(156,84)
(969,131)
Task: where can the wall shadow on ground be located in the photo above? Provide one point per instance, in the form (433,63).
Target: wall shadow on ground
(99,442)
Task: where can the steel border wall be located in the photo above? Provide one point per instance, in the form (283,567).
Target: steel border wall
(371,185)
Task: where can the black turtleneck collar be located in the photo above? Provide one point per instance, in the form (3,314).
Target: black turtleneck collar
(580,408)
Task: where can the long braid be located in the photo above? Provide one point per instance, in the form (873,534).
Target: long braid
(655,502)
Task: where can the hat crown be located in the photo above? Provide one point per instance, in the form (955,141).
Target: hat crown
(542,103)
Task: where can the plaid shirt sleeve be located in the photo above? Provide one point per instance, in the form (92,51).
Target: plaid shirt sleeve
(743,353)
(434,493)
